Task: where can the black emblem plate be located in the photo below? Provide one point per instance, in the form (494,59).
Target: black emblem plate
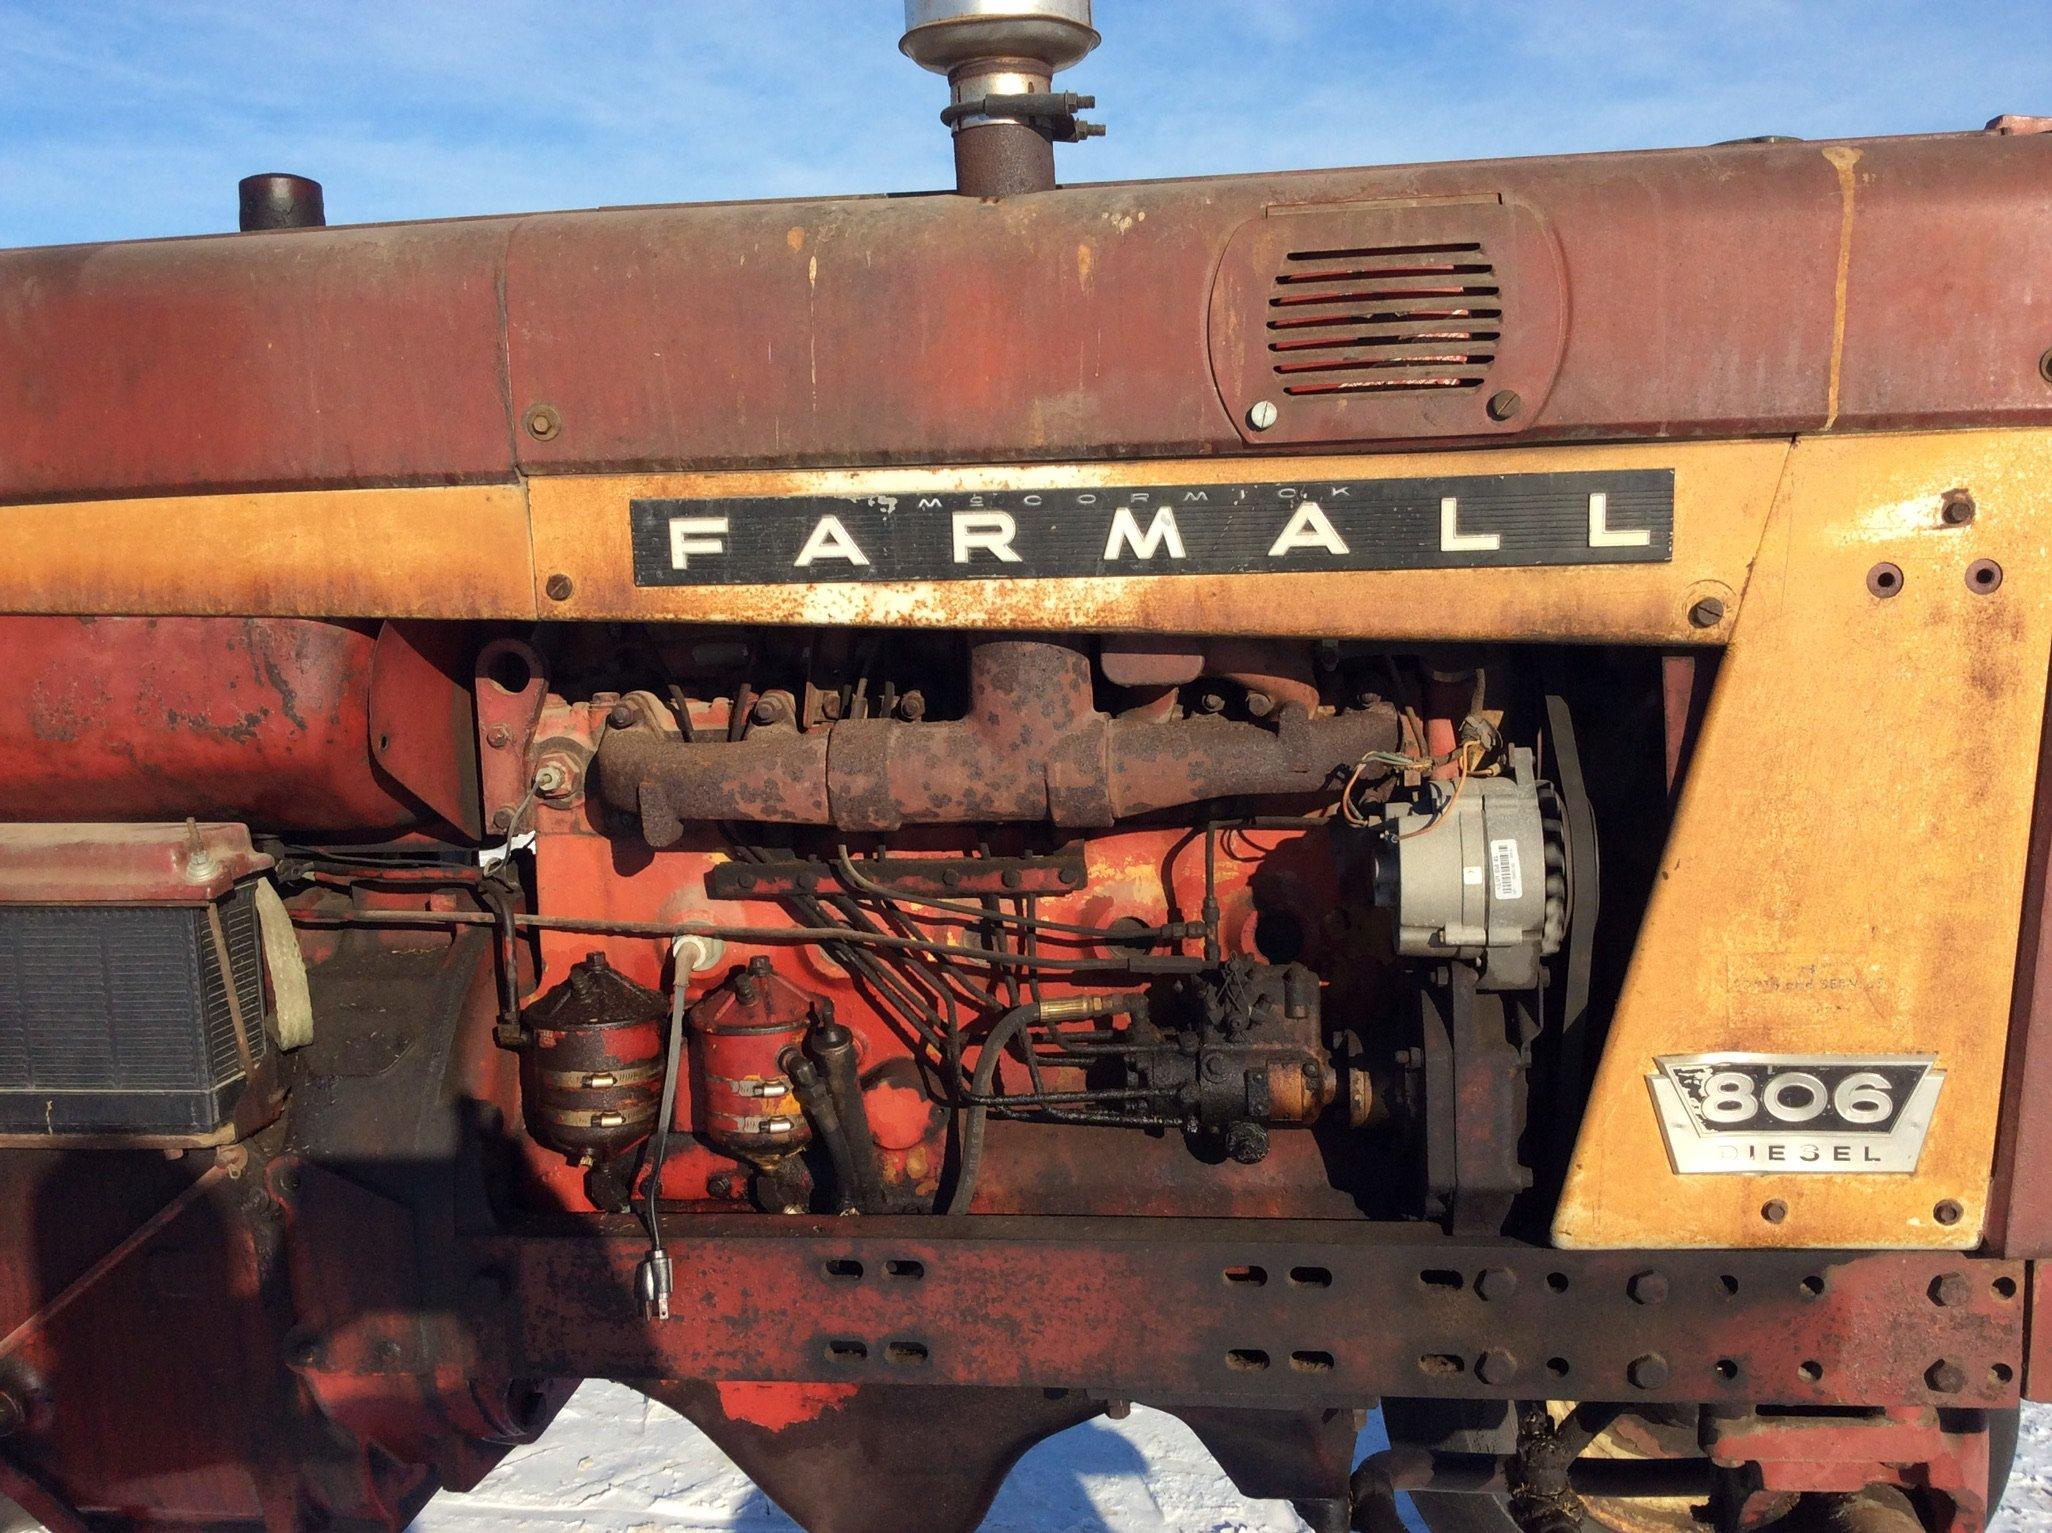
(1625,517)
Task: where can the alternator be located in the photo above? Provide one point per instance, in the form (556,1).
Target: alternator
(1479,875)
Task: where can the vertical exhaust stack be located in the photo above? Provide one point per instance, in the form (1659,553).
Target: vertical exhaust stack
(1000,57)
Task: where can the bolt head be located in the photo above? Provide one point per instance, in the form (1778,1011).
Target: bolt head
(1496,1282)
(1945,1377)
(912,707)
(1261,414)
(498,737)
(620,716)
(1496,1366)
(1260,704)
(1648,1371)
(1951,1289)
(1647,1287)
(768,710)
(542,422)
(502,819)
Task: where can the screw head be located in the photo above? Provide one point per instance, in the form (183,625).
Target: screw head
(1957,509)
(1948,1211)
(559,587)
(1496,1282)
(1774,1210)
(1647,1287)
(1504,404)
(1648,1371)
(1945,1377)
(542,422)
(1261,414)
(1951,1289)
(1707,613)
(1496,1366)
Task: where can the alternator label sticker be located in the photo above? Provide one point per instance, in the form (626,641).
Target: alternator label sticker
(1621,517)
(1828,1113)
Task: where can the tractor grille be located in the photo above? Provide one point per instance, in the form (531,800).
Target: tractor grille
(1389,319)
(115,1019)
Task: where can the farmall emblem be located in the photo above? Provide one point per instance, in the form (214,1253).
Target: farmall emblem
(1835,1114)
(1457,522)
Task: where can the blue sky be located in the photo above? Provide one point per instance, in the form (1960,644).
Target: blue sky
(134,118)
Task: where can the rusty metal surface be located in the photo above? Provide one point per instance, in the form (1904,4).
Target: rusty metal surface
(1760,945)
(1251,1313)
(263,721)
(1740,289)
(429,551)
(1395,320)
(1032,746)
(423,721)
(124,864)
(2019,1193)
(255,361)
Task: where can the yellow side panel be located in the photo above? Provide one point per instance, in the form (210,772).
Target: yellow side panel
(1845,871)
(1722,493)
(447,552)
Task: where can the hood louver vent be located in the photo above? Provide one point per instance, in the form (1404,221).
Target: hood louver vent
(1388,322)
(1384,319)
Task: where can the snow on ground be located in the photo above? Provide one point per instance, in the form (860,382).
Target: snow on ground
(615,1462)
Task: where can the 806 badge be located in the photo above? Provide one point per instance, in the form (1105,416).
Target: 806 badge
(1832,1113)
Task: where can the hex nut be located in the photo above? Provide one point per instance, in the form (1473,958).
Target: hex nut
(553,777)
(1496,1366)
(1945,1377)
(1648,1371)
(1496,1282)
(1951,1289)
(1647,1287)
